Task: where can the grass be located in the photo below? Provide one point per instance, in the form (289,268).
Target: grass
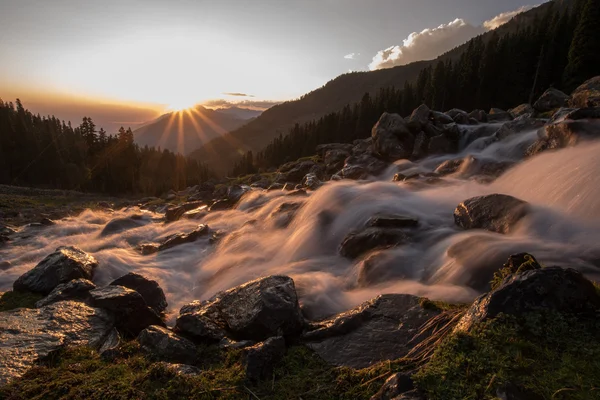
(80,373)
(12,300)
(549,355)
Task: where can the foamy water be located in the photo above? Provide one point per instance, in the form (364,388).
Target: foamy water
(442,262)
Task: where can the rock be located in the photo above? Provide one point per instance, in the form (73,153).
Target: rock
(178,369)
(385,328)
(109,348)
(419,118)
(362,146)
(439,145)
(150,290)
(5,265)
(198,325)
(564,134)
(498,115)
(496,213)
(518,126)
(584,113)
(550,100)
(297,173)
(260,359)
(200,212)
(176,240)
(421,146)
(478,115)
(311,181)
(553,288)
(47,222)
(257,310)
(323,149)
(6,230)
(31,335)
(164,345)
(587,95)
(77,289)
(441,118)
(412,395)
(227,343)
(360,167)
(275,186)
(62,266)
(395,385)
(461,118)
(392,221)
(120,225)
(391,137)
(334,159)
(449,166)
(132,313)
(284,214)
(524,110)
(454,112)
(361,242)
(174,213)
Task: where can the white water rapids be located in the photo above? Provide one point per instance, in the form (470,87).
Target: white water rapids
(443,262)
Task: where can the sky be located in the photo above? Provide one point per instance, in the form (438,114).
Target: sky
(127,61)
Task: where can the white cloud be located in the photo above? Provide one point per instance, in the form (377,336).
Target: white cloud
(503,18)
(432,42)
(351,56)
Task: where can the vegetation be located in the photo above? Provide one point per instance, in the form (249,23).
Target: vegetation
(44,151)
(548,355)
(81,373)
(492,71)
(12,300)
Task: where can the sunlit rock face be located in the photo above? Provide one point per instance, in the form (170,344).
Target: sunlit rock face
(30,335)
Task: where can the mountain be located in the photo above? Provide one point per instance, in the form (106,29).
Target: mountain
(184,131)
(240,112)
(222,152)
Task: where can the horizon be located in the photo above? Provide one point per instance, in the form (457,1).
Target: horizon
(146,84)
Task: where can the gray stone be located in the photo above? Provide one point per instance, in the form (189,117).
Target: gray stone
(496,213)
(419,118)
(551,99)
(439,145)
(478,115)
(260,359)
(120,225)
(150,290)
(369,239)
(77,289)
(385,328)
(525,110)
(164,345)
(391,137)
(564,134)
(62,266)
(587,95)
(31,335)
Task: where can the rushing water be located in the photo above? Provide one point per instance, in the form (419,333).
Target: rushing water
(442,262)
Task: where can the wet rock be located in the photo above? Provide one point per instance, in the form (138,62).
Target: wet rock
(275,186)
(31,335)
(384,328)
(284,214)
(395,385)
(478,115)
(462,119)
(256,310)
(260,359)
(334,159)
(227,343)
(62,266)
(197,213)
(323,149)
(5,265)
(297,173)
(360,167)
(361,242)
(197,324)
(449,166)
(524,110)
(392,221)
(550,100)
(120,225)
(419,118)
(498,115)
(421,146)
(587,95)
(518,126)
(311,181)
(175,213)
(391,137)
(164,345)
(77,289)
(362,146)
(176,240)
(131,312)
(552,288)
(150,290)
(381,266)
(439,145)
(564,134)
(441,118)
(584,113)
(109,348)
(496,213)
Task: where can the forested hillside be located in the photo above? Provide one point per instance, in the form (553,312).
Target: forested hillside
(560,48)
(44,151)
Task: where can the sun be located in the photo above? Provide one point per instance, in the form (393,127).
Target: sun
(179,106)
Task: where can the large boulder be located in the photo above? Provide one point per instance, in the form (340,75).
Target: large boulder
(62,266)
(297,171)
(177,240)
(31,335)
(362,166)
(175,213)
(322,149)
(478,115)
(131,312)
(119,225)
(150,290)
(441,118)
(164,345)
(439,145)
(256,310)
(498,115)
(358,243)
(524,110)
(587,95)
(419,118)
(551,99)
(567,133)
(385,328)
(78,289)
(518,126)
(391,137)
(539,289)
(496,213)
(260,359)
(334,159)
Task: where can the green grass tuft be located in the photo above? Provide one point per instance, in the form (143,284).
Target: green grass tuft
(12,300)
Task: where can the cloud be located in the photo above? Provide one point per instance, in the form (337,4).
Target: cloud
(432,42)
(236,94)
(351,56)
(503,18)
(252,104)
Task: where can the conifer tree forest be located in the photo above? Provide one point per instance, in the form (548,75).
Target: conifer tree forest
(561,49)
(46,152)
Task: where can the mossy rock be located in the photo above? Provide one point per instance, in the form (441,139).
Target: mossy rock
(13,300)
(516,264)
